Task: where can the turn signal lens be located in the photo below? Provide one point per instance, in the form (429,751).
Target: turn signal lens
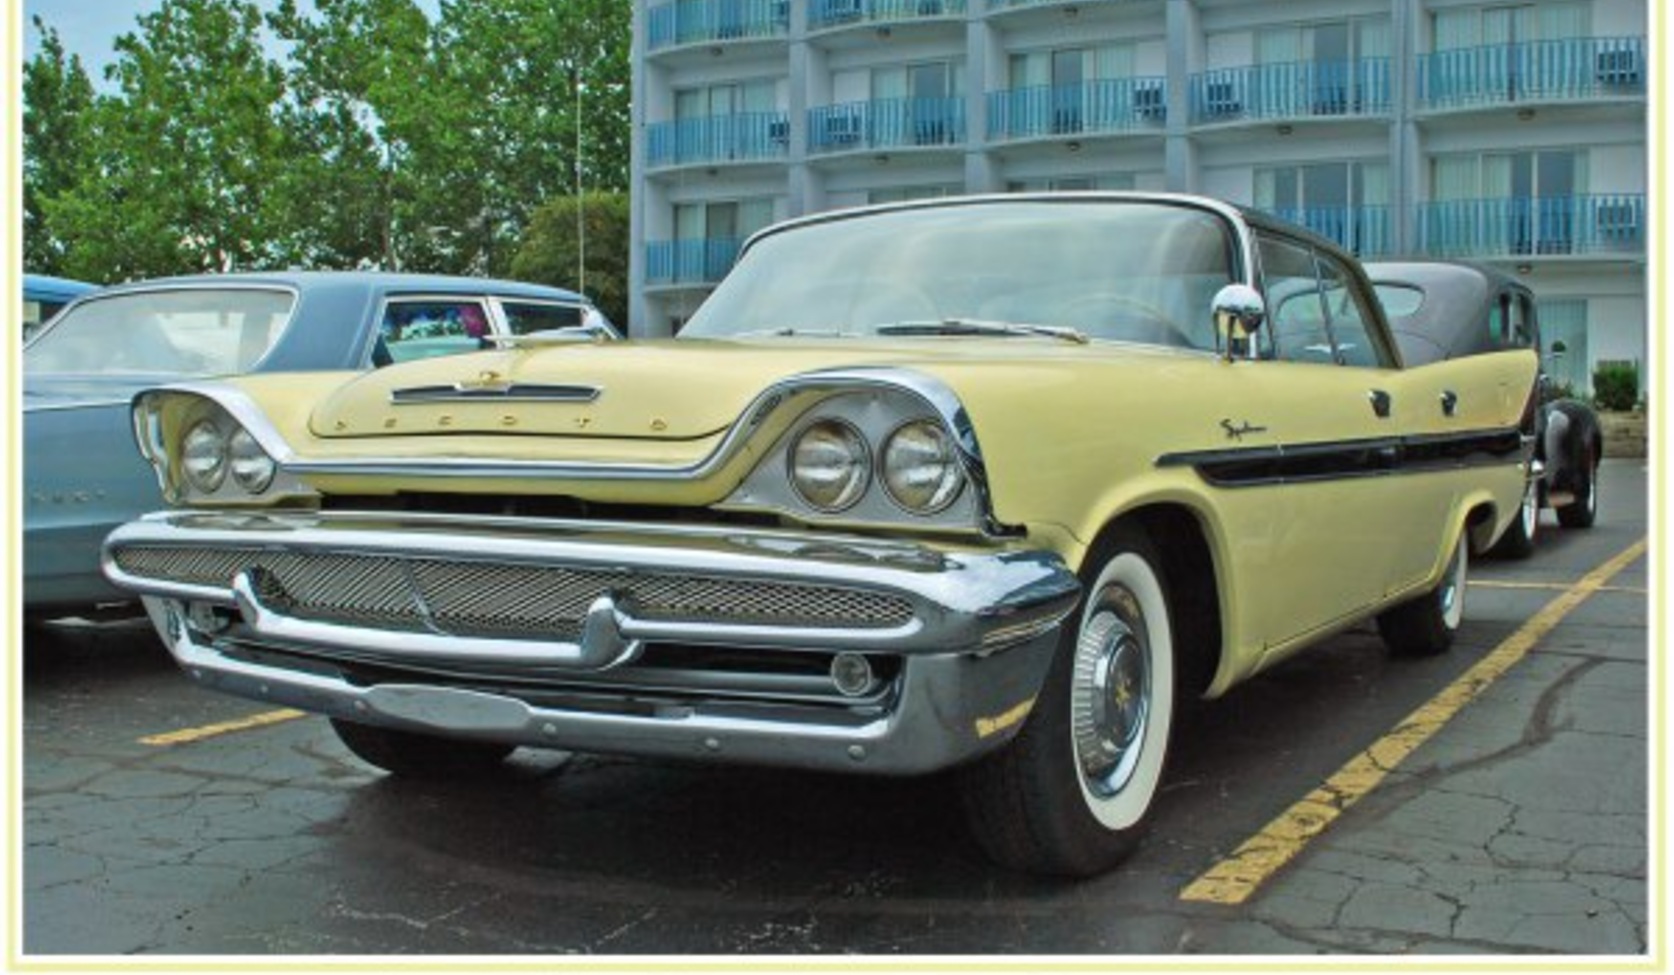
(921,469)
(830,465)
(203,457)
(252,468)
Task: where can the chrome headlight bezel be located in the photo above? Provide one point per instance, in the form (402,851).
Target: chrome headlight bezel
(875,411)
(225,422)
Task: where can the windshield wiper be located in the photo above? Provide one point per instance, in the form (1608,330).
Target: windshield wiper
(824,333)
(979,326)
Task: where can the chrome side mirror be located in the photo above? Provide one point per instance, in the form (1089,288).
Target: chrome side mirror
(1238,311)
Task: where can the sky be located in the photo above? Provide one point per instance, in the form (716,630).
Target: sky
(89,28)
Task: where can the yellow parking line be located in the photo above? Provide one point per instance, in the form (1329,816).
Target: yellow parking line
(220,728)
(1235,879)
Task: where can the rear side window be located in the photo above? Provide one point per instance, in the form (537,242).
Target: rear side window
(524,317)
(424,328)
(174,332)
(1399,300)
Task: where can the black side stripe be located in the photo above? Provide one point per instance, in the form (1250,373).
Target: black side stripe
(1344,459)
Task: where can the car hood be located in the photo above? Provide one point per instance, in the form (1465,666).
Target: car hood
(682,389)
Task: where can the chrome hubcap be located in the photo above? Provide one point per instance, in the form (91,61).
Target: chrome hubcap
(1111,696)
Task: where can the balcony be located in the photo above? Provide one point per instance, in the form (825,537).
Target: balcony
(1592,224)
(1363,231)
(708,21)
(886,123)
(744,137)
(825,14)
(1112,105)
(1581,68)
(701,261)
(1292,90)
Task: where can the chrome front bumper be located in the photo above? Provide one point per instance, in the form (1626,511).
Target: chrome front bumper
(969,634)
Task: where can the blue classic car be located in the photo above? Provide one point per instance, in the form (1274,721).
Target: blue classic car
(82,473)
(45,296)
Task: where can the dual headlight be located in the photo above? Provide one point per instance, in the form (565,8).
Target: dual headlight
(831,466)
(212,451)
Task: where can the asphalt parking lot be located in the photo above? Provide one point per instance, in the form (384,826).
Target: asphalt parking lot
(1495,800)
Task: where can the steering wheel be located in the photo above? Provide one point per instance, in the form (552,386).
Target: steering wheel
(1111,314)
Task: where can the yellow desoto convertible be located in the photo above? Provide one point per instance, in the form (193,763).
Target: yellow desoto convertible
(989,483)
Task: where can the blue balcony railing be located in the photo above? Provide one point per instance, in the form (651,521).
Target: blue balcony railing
(835,13)
(887,123)
(1111,105)
(702,261)
(1578,68)
(707,21)
(743,137)
(1594,223)
(1293,89)
(1363,230)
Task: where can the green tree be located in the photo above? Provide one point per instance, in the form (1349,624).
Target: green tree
(356,76)
(522,76)
(57,103)
(186,155)
(552,250)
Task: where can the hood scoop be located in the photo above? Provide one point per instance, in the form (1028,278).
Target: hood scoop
(499,392)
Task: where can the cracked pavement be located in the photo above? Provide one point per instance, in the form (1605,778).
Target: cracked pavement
(1521,827)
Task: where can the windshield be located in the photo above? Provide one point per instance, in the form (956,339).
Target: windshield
(1134,271)
(185,332)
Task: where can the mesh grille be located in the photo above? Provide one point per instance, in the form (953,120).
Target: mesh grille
(503,599)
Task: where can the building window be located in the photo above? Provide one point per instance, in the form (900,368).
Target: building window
(1316,68)
(1099,181)
(1526,202)
(1069,76)
(713,101)
(900,194)
(1508,25)
(1347,202)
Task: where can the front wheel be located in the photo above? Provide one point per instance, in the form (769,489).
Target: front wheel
(1425,625)
(419,756)
(1071,793)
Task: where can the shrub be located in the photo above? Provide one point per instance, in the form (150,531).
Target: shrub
(1616,386)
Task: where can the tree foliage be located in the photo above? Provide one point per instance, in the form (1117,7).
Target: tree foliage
(57,103)
(554,251)
(185,155)
(376,138)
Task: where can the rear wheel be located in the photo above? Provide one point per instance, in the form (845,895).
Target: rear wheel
(415,755)
(1072,793)
(1518,540)
(1425,625)
(1583,511)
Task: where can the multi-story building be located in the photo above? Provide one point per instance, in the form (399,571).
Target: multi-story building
(1510,133)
